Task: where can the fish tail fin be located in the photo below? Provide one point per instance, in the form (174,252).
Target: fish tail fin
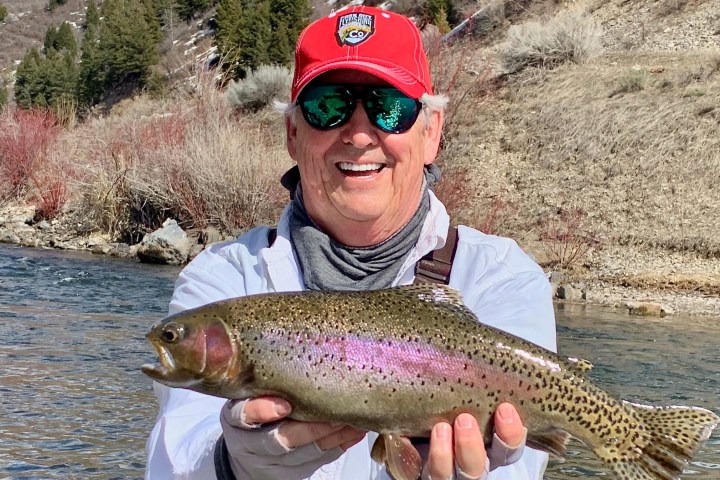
(674,435)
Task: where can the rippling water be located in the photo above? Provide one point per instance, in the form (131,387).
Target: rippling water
(73,403)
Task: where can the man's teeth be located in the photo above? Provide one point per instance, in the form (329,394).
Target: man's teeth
(360,168)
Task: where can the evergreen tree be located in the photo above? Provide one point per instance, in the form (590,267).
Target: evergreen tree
(91,79)
(281,51)
(255,34)
(3,13)
(92,16)
(128,41)
(440,12)
(59,39)
(26,78)
(3,97)
(295,14)
(227,36)
(188,9)
(54,3)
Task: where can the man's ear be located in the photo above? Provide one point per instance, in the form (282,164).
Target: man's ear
(433,135)
(291,135)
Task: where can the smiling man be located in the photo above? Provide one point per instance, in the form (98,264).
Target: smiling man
(364,127)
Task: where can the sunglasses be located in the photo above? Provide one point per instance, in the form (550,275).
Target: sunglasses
(325,107)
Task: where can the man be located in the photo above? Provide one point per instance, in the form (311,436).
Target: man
(364,129)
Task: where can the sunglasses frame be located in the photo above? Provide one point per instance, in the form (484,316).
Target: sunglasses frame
(358,93)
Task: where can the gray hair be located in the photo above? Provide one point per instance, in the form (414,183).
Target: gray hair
(430,103)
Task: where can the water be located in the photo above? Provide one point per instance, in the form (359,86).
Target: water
(73,403)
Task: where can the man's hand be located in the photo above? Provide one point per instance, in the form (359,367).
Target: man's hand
(460,448)
(262,445)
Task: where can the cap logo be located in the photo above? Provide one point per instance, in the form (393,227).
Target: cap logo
(354,28)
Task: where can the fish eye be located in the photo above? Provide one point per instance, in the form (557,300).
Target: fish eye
(172,333)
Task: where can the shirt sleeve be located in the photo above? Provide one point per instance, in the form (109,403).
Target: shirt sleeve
(182,442)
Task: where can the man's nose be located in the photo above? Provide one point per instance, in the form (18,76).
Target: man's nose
(359,131)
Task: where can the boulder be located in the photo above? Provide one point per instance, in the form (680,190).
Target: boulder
(651,309)
(167,245)
(569,292)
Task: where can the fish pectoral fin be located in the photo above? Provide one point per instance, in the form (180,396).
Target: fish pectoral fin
(378,452)
(399,455)
(553,441)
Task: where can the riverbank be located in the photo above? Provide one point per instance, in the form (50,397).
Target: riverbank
(625,277)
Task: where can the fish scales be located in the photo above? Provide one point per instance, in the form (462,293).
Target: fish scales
(399,360)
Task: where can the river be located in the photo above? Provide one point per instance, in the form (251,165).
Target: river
(73,403)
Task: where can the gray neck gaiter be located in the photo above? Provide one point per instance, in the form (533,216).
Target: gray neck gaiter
(329,265)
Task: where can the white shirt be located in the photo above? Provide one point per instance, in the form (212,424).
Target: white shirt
(499,282)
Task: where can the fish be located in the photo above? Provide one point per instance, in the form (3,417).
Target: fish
(399,360)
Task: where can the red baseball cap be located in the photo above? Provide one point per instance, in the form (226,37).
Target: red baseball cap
(375,41)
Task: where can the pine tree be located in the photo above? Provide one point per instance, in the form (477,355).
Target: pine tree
(3,97)
(188,9)
(128,41)
(227,36)
(54,3)
(26,78)
(281,51)
(3,13)
(440,12)
(91,77)
(92,16)
(255,34)
(295,14)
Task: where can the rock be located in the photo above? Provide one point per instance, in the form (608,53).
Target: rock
(195,250)
(7,236)
(210,235)
(568,292)
(120,250)
(44,225)
(167,245)
(101,249)
(647,309)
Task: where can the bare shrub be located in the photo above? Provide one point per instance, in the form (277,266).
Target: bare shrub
(464,205)
(25,137)
(567,239)
(634,81)
(458,72)
(570,36)
(260,87)
(197,162)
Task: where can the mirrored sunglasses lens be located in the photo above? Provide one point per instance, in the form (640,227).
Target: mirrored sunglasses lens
(391,110)
(326,106)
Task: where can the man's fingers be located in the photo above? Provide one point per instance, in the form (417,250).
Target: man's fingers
(339,438)
(508,425)
(257,411)
(440,464)
(469,446)
(292,434)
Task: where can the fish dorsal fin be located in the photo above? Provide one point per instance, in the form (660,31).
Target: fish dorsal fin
(438,294)
(580,365)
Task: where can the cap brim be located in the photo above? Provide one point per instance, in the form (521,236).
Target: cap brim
(397,77)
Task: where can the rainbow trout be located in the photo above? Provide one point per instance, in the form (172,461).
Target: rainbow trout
(399,360)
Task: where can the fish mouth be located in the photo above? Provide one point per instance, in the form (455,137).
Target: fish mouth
(167,372)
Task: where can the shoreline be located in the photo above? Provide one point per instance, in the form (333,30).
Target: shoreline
(641,280)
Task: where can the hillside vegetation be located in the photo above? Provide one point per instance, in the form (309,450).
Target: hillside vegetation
(585,130)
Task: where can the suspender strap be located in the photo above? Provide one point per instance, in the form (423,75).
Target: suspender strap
(435,266)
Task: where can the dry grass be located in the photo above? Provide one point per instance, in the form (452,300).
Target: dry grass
(643,164)
(196,162)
